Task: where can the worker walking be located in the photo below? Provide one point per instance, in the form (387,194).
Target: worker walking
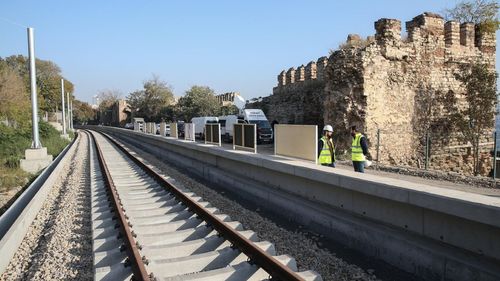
(326,149)
(359,150)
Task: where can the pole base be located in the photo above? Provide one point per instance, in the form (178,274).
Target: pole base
(65,136)
(36,160)
(57,126)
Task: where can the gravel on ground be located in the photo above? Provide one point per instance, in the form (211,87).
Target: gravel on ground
(58,245)
(306,247)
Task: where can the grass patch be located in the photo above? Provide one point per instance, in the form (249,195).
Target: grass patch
(13,143)
(12,177)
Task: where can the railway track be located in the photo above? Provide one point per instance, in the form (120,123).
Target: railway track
(147,228)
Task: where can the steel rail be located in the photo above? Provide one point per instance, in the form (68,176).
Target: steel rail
(135,259)
(258,256)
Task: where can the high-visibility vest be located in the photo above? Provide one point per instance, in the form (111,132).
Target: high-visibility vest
(325,157)
(356,150)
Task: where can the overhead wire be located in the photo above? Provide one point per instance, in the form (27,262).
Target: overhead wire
(12,22)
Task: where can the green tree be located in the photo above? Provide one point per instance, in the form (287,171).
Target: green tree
(151,100)
(481,12)
(169,113)
(477,115)
(82,112)
(14,100)
(49,85)
(198,101)
(229,110)
(48,76)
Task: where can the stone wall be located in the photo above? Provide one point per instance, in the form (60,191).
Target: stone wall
(381,86)
(226,99)
(115,115)
(381,83)
(298,97)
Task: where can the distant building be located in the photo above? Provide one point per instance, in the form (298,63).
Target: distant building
(227,99)
(115,115)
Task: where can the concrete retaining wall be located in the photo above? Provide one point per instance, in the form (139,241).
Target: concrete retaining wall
(435,233)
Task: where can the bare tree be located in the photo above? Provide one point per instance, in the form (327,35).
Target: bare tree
(82,112)
(14,100)
(477,115)
(481,12)
(108,98)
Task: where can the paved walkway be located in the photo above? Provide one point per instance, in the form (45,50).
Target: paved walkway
(268,149)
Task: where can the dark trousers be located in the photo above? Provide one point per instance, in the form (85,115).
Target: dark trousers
(359,166)
(329,165)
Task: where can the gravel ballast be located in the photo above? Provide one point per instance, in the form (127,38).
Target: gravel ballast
(306,247)
(58,245)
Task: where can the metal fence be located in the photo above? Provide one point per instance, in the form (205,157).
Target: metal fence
(432,151)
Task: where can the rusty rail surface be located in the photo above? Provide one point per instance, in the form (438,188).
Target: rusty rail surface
(135,259)
(258,256)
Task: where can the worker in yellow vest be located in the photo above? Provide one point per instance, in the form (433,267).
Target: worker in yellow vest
(359,150)
(326,149)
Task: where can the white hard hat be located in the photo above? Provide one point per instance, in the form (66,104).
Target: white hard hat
(328,128)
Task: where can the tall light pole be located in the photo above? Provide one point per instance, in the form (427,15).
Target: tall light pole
(69,112)
(71,115)
(63,106)
(34,102)
(36,157)
(71,119)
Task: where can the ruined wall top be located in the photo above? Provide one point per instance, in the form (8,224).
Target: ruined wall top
(427,28)
(430,25)
(227,98)
(314,70)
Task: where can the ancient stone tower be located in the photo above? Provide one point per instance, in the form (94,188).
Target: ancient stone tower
(381,85)
(378,83)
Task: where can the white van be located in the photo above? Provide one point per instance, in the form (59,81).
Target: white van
(226,126)
(264,130)
(199,124)
(250,116)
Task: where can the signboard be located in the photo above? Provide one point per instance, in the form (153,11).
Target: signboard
(298,141)
(189,132)
(245,137)
(163,129)
(212,134)
(254,114)
(173,130)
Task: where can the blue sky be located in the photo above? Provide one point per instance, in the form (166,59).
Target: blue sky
(226,45)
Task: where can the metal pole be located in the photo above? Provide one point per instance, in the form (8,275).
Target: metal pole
(378,147)
(34,103)
(69,112)
(72,128)
(234,137)
(427,150)
(255,138)
(206,126)
(495,157)
(63,106)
